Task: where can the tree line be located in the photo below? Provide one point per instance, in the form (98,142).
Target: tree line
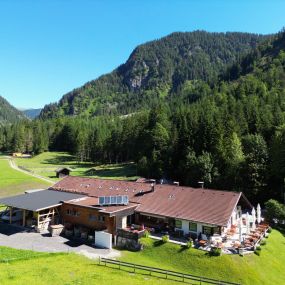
(231,134)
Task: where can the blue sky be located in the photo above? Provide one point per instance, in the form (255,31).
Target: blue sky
(48,48)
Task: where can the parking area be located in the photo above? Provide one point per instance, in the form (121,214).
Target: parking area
(21,238)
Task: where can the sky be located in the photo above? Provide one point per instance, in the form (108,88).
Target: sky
(50,47)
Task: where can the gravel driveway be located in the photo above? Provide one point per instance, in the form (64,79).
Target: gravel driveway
(20,238)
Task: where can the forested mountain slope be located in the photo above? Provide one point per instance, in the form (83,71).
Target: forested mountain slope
(8,113)
(154,70)
(229,134)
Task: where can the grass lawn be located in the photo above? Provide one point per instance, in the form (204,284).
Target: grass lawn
(13,182)
(46,163)
(268,268)
(64,269)
(36,268)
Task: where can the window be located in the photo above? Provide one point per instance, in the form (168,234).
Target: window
(72,213)
(178,224)
(101,219)
(193,227)
(207,230)
(92,217)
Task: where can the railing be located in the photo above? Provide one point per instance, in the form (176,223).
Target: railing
(162,273)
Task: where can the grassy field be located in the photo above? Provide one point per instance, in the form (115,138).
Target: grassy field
(46,163)
(63,269)
(13,182)
(268,268)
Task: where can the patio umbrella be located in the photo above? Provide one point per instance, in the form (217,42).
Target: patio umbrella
(247,223)
(258,212)
(253,214)
(240,230)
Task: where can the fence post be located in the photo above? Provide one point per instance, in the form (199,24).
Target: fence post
(99,260)
(134,268)
(200,281)
(183,278)
(166,274)
(119,265)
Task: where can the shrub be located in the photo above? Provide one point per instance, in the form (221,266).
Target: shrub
(263,242)
(188,244)
(269,230)
(146,234)
(257,252)
(165,239)
(258,248)
(216,251)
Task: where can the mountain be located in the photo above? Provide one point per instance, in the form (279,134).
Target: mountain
(155,70)
(8,113)
(32,113)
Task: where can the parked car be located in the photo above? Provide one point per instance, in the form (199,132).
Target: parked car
(17,215)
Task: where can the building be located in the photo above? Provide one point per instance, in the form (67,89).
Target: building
(95,204)
(62,172)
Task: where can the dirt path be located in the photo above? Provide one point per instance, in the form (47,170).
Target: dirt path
(13,165)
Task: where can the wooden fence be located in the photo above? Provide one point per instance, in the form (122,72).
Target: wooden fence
(162,273)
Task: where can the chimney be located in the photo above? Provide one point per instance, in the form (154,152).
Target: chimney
(201,184)
(176,183)
(152,187)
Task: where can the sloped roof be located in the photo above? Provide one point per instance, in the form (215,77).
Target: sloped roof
(39,200)
(200,205)
(63,168)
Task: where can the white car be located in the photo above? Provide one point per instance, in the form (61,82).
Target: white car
(17,215)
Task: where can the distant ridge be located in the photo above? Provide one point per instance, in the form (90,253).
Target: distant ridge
(32,113)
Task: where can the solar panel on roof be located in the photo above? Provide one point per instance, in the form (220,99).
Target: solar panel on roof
(114,200)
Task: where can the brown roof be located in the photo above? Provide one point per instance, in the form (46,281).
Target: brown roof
(102,187)
(200,205)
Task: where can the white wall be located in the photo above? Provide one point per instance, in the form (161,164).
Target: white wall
(103,239)
(185,227)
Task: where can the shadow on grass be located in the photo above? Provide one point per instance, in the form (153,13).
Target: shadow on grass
(280,228)
(127,170)
(60,159)
(158,243)
(183,248)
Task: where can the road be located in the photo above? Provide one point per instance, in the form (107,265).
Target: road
(13,165)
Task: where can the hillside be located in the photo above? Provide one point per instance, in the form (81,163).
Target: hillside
(32,113)
(155,70)
(8,113)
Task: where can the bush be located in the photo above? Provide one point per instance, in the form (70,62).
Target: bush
(257,252)
(165,239)
(216,251)
(269,230)
(263,242)
(146,234)
(258,248)
(188,244)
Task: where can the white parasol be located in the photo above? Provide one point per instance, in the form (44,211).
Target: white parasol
(258,212)
(247,223)
(240,230)
(253,214)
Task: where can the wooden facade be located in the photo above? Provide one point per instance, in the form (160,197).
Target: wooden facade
(88,217)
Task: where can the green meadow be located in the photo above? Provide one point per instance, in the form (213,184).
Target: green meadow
(46,163)
(268,268)
(13,182)
(38,268)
